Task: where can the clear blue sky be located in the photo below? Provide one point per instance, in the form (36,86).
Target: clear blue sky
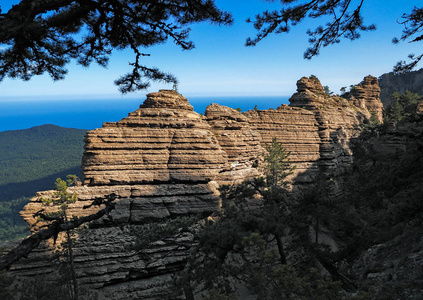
(221,65)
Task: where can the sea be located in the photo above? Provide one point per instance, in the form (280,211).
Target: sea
(91,113)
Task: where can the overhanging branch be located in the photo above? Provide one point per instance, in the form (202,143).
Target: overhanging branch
(33,241)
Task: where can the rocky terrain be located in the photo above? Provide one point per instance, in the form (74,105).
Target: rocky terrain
(164,160)
(390,83)
(388,180)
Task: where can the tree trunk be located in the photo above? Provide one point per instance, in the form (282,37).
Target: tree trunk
(280,249)
(317,231)
(333,271)
(72,267)
(186,273)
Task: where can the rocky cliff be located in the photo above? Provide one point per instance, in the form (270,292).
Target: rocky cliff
(164,160)
(391,83)
(386,190)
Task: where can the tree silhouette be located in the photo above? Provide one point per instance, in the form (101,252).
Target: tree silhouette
(43,36)
(346,21)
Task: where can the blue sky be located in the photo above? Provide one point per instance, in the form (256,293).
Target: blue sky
(221,65)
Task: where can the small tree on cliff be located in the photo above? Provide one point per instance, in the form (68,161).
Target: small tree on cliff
(327,91)
(43,36)
(403,106)
(252,239)
(62,198)
(277,166)
(57,221)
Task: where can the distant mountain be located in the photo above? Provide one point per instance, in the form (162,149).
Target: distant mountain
(390,83)
(30,161)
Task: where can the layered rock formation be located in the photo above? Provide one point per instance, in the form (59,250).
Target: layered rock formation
(298,130)
(316,128)
(163,141)
(164,160)
(160,162)
(366,95)
(237,138)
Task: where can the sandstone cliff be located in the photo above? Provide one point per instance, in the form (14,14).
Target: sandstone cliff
(164,160)
(238,139)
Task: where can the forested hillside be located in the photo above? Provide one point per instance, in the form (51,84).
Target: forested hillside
(31,160)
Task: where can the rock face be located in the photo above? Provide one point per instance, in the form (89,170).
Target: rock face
(160,162)
(316,128)
(163,141)
(298,130)
(391,83)
(237,138)
(394,158)
(165,160)
(367,93)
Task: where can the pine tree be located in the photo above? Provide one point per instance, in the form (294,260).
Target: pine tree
(43,36)
(63,198)
(403,106)
(255,241)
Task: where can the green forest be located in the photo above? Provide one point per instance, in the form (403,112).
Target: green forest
(30,161)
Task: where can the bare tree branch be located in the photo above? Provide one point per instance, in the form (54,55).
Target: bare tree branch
(59,225)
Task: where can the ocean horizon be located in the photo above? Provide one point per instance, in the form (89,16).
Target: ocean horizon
(91,114)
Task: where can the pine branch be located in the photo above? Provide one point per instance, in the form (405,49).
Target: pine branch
(43,36)
(59,225)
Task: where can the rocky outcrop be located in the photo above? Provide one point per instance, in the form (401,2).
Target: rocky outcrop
(160,162)
(310,93)
(163,141)
(165,160)
(388,177)
(316,128)
(237,138)
(297,129)
(367,94)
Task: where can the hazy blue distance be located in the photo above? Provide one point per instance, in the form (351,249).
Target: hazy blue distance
(90,114)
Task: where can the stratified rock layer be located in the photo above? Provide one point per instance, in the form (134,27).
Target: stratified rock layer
(368,92)
(298,131)
(239,141)
(160,162)
(160,142)
(165,160)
